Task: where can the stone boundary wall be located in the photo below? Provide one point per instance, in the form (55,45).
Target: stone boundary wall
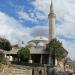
(16,70)
(22,70)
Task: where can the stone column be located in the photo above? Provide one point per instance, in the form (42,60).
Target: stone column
(30,60)
(56,62)
(41,59)
(49,60)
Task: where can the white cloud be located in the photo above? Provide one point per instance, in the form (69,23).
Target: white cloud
(15,32)
(42,5)
(39,31)
(69,46)
(24,15)
(32,15)
(12,29)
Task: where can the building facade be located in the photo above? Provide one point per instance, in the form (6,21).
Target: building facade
(37,46)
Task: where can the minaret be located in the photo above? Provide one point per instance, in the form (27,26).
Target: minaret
(51,17)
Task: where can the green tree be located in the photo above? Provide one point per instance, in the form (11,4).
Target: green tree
(2,57)
(5,44)
(24,54)
(56,50)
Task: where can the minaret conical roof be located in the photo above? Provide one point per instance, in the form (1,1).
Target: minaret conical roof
(51,7)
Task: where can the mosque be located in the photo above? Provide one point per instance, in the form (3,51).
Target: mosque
(37,46)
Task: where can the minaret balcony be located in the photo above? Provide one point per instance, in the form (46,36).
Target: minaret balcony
(52,15)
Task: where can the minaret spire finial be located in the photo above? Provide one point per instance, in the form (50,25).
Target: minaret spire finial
(51,7)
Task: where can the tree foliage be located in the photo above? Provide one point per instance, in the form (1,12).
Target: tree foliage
(24,53)
(56,49)
(5,44)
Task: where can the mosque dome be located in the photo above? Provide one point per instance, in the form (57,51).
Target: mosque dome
(32,44)
(41,44)
(38,42)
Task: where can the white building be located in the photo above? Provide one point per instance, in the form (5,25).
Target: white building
(37,46)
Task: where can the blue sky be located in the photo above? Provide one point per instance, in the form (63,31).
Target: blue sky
(12,7)
(23,20)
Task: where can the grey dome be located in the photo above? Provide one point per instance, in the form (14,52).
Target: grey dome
(32,44)
(41,44)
